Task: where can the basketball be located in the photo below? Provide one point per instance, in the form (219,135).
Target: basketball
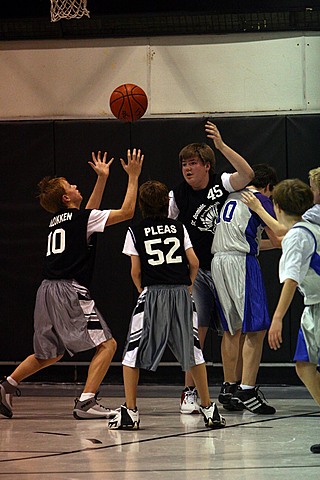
(128,102)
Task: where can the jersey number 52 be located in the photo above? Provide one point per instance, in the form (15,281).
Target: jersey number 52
(159,256)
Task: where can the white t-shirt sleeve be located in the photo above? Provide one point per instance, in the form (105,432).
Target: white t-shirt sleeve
(225,178)
(173,209)
(97,221)
(187,241)
(129,247)
(297,250)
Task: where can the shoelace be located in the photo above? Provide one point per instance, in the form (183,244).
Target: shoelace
(260,395)
(98,400)
(190,394)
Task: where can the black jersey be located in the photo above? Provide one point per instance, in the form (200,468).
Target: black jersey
(160,245)
(199,210)
(69,256)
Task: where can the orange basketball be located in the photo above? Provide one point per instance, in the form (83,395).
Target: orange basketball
(128,102)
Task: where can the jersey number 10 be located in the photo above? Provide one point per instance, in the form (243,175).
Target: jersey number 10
(56,241)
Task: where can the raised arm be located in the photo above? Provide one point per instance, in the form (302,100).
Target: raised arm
(102,169)
(254,204)
(244,173)
(133,169)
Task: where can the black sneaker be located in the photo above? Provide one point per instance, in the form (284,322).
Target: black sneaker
(225,395)
(6,392)
(252,401)
(315,448)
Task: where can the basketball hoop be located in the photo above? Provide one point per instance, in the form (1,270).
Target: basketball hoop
(68,9)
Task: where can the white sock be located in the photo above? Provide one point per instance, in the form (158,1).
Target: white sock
(86,396)
(12,381)
(246,387)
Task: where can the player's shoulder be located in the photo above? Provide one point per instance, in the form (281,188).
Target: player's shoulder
(266,202)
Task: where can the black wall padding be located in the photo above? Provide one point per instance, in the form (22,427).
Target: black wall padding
(32,149)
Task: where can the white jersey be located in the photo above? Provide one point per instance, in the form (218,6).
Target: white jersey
(313,214)
(301,258)
(239,229)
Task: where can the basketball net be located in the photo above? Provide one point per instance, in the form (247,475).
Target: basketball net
(68,9)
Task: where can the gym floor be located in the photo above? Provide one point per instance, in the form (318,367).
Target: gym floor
(43,440)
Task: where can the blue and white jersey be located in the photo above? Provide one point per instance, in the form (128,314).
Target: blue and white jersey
(300,260)
(239,229)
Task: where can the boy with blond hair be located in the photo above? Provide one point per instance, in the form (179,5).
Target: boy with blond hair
(65,316)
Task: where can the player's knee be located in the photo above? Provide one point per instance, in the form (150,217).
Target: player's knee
(298,369)
(110,345)
(305,370)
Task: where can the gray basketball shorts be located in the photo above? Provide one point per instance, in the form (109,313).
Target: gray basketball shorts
(203,293)
(66,318)
(164,315)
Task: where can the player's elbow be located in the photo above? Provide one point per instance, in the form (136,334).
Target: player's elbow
(250,174)
(194,264)
(128,213)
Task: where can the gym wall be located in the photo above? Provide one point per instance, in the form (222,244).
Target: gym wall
(261,90)
(33,149)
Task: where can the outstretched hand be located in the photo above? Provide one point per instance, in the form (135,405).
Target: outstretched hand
(249,199)
(135,161)
(213,133)
(101,167)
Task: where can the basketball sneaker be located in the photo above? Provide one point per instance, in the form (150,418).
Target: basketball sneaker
(90,409)
(125,419)
(189,401)
(225,395)
(315,448)
(212,418)
(6,392)
(252,400)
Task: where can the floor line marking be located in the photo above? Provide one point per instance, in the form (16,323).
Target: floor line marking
(152,439)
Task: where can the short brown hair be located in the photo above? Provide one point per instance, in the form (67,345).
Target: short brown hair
(153,199)
(200,150)
(51,193)
(293,196)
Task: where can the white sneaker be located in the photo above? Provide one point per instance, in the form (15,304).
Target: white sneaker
(125,419)
(189,404)
(91,409)
(212,418)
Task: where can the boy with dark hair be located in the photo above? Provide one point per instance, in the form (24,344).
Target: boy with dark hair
(65,316)
(241,293)
(299,267)
(163,268)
